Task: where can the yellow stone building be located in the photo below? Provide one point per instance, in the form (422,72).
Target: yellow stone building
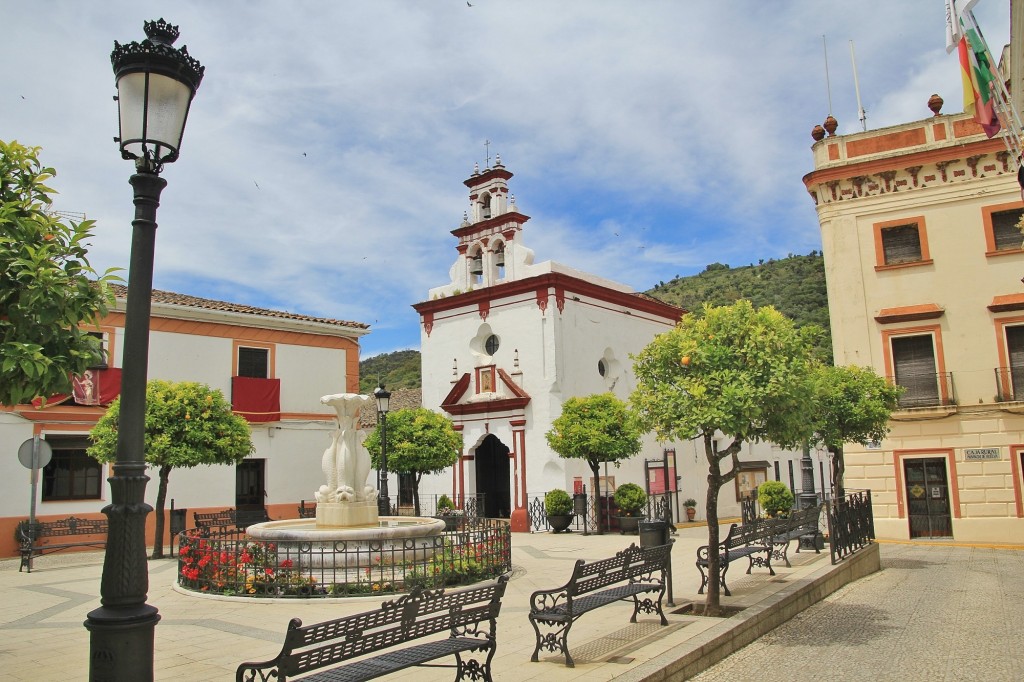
(924,267)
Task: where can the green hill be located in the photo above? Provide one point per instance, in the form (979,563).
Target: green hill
(400,369)
(795,285)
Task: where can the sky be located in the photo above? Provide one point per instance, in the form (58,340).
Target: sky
(322,164)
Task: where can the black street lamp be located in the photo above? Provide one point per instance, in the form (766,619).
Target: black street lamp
(383,405)
(155,86)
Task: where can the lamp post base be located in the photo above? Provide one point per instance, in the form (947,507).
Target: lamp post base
(121,643)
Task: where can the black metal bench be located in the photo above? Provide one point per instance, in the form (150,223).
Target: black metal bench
(468,616)
(800,525)
(627,575)
(307,511)
(32,538)
(227,520)
(751,541)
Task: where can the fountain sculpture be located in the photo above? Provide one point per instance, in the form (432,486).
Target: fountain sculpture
(347,521)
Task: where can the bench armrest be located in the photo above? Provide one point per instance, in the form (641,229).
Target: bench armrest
(547,600)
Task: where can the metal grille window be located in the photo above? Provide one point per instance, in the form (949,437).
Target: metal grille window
(913,359)
(1004,230)
(71,474)
(253,362)
(901,244)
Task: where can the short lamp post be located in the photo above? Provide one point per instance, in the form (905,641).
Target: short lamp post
(383,406)
(155,86)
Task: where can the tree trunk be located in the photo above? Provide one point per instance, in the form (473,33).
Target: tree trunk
(416,493)
(713,601)
(161,497)
(595,467)
(838,471)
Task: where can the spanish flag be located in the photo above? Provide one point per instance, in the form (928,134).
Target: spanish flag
(978,78)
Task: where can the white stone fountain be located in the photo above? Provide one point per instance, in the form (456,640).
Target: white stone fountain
(346,520)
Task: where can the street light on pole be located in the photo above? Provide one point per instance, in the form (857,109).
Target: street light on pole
(155,87)
(383,405)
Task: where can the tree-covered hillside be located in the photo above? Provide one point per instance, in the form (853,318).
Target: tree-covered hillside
(795,285)
(400,369)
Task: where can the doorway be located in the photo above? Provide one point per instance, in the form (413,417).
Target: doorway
(493,477)
(927,491)
(250,484)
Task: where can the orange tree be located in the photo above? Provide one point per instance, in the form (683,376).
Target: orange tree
(735,371)
(187,424)
(420,441)
(595,428)
(48,291)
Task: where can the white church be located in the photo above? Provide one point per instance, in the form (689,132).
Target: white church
(508,340)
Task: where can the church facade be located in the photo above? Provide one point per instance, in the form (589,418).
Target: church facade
(507,341)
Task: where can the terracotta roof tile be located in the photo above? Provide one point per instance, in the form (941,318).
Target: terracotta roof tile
(171,298)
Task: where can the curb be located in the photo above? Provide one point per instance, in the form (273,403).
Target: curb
(732,634)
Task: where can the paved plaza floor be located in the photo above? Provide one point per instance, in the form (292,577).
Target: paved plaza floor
(201,638)
(934,612)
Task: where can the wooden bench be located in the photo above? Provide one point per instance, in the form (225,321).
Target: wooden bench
(751,541)
(799,524)
(625,576)
(32,537)
(468,616)
(227,520)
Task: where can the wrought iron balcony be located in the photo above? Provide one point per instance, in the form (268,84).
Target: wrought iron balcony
(925,390)
(1009,383)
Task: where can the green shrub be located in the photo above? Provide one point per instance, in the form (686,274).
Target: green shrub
(775,498)
(690,502)
(557,503)
(444,503)
(630,498)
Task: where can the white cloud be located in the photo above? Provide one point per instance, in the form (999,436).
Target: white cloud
(683,127)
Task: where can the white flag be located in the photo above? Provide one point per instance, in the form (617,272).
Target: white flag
(954,10)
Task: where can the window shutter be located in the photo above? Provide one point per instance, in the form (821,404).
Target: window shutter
(1004,230)
(901,244)
(914,363)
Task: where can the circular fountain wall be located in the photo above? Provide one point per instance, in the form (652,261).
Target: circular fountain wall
(414,538)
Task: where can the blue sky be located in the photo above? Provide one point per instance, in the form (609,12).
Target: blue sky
(322,166)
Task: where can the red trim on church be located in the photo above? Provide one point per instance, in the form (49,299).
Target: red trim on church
(540,285)
(497,221)
(451,403)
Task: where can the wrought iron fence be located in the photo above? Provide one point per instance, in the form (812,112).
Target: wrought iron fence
(851,524)
(469,506)
(658,507)
(231,563)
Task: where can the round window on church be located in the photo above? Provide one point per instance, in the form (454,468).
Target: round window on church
(602,368)
(491,344)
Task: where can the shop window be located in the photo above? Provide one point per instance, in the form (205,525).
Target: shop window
(71,474)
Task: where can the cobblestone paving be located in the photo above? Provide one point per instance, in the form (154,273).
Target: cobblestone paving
(932,613)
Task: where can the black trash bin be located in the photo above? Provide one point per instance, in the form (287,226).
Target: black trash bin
(178,523)
(653,533)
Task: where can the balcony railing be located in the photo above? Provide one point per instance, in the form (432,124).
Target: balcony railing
(926,390)
(1009,383)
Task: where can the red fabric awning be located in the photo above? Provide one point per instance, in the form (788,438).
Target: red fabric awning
(258,400)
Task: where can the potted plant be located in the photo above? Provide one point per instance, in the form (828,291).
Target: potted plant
(690,505)
(775,498)
(558,507)
(447,512)
(630,499)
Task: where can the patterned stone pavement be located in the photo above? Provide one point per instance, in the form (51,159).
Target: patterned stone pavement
(934,612)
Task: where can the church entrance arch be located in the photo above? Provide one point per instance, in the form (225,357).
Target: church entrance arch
(493,477)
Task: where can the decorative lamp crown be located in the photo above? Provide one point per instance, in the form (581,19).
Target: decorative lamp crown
(155,87)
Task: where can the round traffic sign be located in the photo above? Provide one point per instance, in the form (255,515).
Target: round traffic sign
(25,453)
